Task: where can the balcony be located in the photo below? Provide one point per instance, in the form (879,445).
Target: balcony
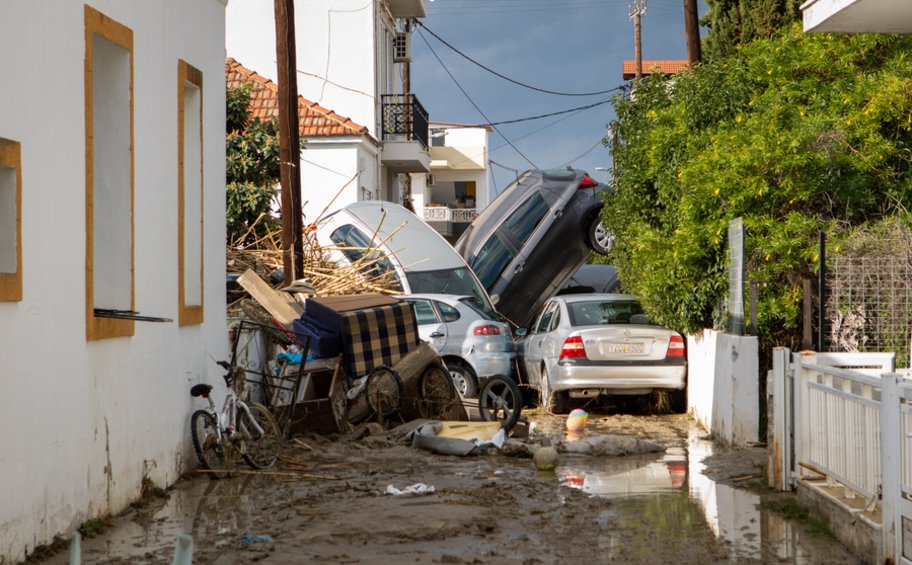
(449,222)
(405,134)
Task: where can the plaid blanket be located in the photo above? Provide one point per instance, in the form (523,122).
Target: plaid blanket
(377,336)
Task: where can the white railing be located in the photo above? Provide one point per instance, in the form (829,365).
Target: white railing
(446,214)
(846,417)
(839,425)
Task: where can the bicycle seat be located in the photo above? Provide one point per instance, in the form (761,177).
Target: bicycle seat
(200,390)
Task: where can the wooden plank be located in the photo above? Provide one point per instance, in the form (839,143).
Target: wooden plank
(283,308)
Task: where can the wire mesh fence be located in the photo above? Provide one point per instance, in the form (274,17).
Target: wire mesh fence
(869,304)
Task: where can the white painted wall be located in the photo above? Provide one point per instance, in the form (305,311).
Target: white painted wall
(336,172)
(84,422)
(723,385)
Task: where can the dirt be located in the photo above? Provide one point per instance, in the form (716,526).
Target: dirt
(326,503)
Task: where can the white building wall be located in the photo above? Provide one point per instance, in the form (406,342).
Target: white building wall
(84,422)
(327,171)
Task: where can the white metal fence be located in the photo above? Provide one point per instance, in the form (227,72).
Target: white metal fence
(847,417)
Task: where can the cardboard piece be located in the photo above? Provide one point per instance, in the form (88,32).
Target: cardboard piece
(280,305)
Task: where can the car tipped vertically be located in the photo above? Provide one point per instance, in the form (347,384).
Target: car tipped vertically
(528,243)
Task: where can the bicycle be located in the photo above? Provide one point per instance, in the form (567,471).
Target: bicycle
(248,430)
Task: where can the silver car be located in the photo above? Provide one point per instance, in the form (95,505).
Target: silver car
(585,345)
(475,342)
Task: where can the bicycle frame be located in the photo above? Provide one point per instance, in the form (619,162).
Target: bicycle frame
(227,418)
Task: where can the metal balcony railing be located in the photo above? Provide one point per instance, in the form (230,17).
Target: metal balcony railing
(404,116)
(446,214)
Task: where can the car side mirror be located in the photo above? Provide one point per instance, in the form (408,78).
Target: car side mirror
(521,332)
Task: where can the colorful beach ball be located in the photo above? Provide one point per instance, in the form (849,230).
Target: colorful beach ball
(577,419)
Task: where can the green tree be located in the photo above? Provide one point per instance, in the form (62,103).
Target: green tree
(796,134)
(252,169)
(735,22)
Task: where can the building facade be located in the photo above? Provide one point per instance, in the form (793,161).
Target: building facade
(350,57)
(112,252)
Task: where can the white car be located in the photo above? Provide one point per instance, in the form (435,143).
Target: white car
(586,345)
(475,343)
(398,241)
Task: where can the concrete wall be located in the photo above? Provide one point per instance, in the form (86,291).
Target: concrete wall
(83,422)
(327,168)
(723,385)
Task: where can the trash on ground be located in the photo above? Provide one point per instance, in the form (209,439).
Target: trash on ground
(250,539)
(417,488)
(576,421)
(451,438)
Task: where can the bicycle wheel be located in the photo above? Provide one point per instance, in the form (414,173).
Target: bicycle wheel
(260,451)
(500,400)
(209,450)
(384,390)
(436,390)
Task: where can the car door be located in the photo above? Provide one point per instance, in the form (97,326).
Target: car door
(533,352)
(456,328)
(431,328)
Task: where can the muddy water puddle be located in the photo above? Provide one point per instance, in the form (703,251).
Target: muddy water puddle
(650,508)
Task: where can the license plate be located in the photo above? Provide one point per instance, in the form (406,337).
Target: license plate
(624,348)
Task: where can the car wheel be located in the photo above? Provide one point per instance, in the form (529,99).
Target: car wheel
(463,379)
(551,401)
(500,401)
(600,239)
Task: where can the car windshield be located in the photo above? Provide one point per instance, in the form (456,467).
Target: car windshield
(601,312)
(447,281)
(491,261)
(482,309)
(360,250)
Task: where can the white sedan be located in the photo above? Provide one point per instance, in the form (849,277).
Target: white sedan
(586,345)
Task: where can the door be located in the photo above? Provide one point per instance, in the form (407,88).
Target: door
(537,342)
(431,328)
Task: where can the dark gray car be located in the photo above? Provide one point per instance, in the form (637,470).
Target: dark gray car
(528,243)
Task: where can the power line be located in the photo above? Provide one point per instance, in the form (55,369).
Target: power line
(540,116)
(506,78)
(469,98)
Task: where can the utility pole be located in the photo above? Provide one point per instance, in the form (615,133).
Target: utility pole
(692,31)
(289,143)
(406,178)
(636,13)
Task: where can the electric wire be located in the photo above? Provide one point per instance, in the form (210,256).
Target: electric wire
(469,98)
(506,78)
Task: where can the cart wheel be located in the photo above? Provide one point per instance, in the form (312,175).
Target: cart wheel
(384,390)
(500,400)
(436,390)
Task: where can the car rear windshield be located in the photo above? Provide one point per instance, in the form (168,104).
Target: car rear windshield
(447,281)
(601,312)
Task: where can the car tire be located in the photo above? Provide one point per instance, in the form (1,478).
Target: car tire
(500,400)
(551,401)
(600,239)
(463,378)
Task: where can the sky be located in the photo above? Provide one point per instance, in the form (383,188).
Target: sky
(568,46)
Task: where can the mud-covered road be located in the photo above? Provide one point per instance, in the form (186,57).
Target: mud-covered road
(326,504)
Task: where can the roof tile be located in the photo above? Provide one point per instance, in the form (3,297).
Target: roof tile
(668,67)
(313,120)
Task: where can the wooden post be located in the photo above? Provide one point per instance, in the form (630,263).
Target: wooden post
(807,333)
(692,31)
(289,142)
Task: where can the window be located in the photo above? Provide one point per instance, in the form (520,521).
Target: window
(544,321)
(109,175)
(492,259)
(447,312)
(523,221)
(458,280)
(358,247)
(189,194)
(424,312)
(10,221)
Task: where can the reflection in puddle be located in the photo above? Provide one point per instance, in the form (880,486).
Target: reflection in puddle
(670,497)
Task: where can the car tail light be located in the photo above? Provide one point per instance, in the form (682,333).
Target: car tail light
(573,348)
(675,347)
(486,330)
(587,182)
